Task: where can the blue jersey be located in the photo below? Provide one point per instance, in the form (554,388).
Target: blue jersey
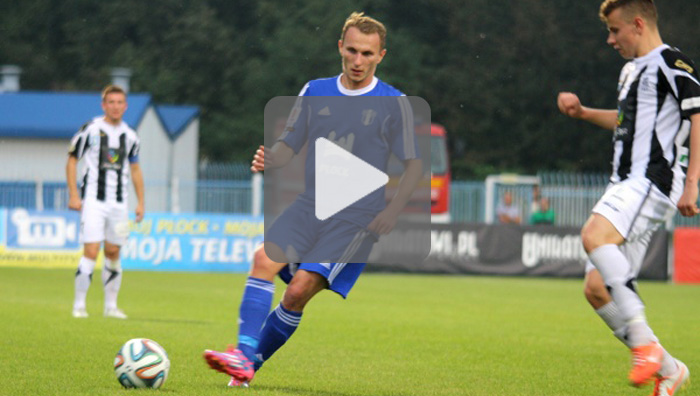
(332,87)
(371,128)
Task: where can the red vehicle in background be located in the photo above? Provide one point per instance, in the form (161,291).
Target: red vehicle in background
(433,136)
(440,175)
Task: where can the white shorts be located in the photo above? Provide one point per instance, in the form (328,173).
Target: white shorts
(104,221)
(636,208)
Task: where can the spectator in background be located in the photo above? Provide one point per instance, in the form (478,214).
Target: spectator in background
(544,213)
(536,197)
(507,212)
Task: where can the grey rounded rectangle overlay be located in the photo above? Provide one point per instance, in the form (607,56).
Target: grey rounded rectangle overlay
(347,179)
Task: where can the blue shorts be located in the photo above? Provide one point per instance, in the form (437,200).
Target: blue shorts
(305,239)
(341,276)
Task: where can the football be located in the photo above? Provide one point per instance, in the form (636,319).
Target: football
(141,363)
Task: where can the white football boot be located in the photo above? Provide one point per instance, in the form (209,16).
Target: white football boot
(115,313)
(669,386)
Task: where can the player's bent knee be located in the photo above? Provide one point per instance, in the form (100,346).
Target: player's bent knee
(589,238)
(300,291)
(296,297)
(260,257)
(594,295)
(595,291)
(263,267)
(599,231)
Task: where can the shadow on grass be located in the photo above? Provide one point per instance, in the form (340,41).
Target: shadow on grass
(179,321)
(305,391)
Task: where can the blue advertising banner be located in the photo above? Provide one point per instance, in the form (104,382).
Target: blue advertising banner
(3,215)
(47,239)
(193,242)
(45,230)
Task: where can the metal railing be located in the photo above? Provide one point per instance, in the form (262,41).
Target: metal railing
(571,196)
(227,188)
(467,201)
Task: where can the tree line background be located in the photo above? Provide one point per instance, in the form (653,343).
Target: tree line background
(490,69)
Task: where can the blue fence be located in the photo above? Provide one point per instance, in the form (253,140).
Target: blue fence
(18,194)
(571,196)
(223,171)
(212,196)
(224,196)
(468,201)
(223,188)
(226,188)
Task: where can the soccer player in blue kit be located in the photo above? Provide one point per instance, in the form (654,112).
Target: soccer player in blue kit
(261,332)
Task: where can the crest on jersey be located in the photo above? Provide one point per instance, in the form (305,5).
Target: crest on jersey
(646,84)
(368,116)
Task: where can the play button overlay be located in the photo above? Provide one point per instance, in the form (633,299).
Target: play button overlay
(347,181)
(342,179)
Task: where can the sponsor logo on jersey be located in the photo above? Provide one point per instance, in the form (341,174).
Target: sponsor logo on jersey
(620,133)
(613,207)
(682,65)
(683,155)
(113,156)
(345,142)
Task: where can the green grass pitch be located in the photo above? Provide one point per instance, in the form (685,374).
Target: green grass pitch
(395,335)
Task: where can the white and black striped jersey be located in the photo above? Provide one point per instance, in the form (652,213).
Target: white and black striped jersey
(657,93)
(108,151)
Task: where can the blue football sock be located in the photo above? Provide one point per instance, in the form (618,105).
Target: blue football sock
(280,325)
(255,306)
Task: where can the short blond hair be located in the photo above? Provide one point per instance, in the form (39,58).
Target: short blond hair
(366,25)
(112,89)
(630,8)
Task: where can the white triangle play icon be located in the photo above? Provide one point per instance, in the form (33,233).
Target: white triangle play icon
(342,178)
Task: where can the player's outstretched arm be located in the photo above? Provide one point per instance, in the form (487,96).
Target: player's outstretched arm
(258,163)
(74,201)
(137,179)
(687,205)
(385,221)
(276,157)
(569,104)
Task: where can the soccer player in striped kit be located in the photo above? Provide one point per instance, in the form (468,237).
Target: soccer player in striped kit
(656,166)
(361,47)
(110,149)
